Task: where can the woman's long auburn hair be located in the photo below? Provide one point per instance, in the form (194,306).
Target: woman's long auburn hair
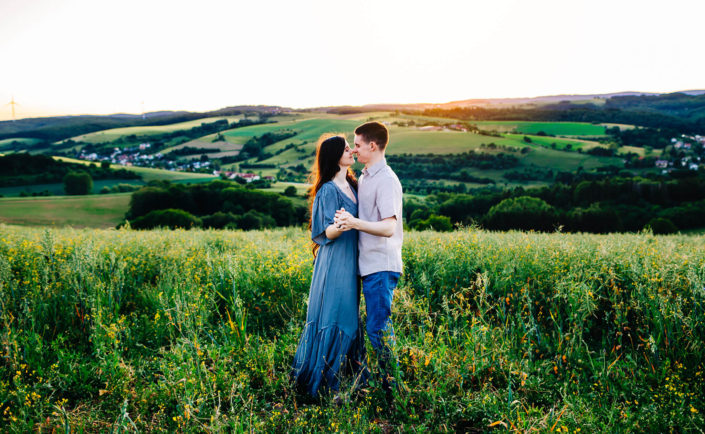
(329,150)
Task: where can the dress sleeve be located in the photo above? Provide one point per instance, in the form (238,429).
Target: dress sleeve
(325,205)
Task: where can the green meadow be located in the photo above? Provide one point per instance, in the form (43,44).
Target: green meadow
(551,128)
(57,189)
(95,211)
(10,144)
(116,133)
(195,331)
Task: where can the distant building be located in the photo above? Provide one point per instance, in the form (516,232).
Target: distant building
(661,164)
(249,177)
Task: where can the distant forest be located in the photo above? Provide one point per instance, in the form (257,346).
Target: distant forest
(26,169)
(610,204)
(672,114)
(52,129)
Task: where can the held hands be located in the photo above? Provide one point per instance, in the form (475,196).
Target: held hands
(344,221)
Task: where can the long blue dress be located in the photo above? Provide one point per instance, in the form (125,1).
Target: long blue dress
(333,337)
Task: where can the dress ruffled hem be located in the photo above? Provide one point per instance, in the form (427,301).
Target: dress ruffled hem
(323,355)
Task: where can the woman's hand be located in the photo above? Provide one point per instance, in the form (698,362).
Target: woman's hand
(344,221)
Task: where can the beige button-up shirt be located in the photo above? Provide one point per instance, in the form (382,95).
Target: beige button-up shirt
(380,197)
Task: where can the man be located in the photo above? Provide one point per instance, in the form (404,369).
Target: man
(381,234)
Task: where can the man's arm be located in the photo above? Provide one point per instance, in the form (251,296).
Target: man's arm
(382,228)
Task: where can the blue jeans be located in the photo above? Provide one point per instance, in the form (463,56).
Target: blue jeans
(378,289)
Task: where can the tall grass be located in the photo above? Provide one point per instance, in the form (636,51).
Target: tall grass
(196,330)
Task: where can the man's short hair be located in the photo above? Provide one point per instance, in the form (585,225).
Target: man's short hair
(374,132)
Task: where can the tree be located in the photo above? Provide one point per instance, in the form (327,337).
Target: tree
(434,222)
(166,218)
(523,212)
(290,191)
(78,183)
(660,225)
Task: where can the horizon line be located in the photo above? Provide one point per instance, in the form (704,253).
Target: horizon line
(701,91)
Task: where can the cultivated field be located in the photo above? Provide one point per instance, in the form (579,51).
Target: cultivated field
(551,128)
(413,140)
(115,133)
(195,331)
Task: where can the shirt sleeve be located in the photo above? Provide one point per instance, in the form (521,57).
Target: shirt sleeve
(325,205)
(389,199)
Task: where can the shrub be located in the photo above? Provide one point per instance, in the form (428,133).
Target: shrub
(78,183)
(660,225)
(439,223)
(290,191)
(595,219)
(219,220)
(255,220)
(166,218)
(522,212)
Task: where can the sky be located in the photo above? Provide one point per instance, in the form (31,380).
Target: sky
(102,57)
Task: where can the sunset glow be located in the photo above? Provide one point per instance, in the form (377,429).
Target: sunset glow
(80,56)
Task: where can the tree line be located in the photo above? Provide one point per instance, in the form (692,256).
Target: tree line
(218,204)
(25,169)
(669,114)
(612,204)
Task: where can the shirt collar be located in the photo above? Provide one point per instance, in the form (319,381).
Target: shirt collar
(372,171)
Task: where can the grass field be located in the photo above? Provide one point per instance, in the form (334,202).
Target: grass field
(553,128)
(93,211)
(96,211)
(404,139)
(9,144)
(57,189)
(115,133)
(414,141)
(195,331)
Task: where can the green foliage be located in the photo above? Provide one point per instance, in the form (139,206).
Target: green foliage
(78,183)
(166,218)
(670,113)
(254,147)
(25,169)
(290,191)
(660,225)
(255,209)
(189,150)
(253,220)
(596,218)
(523,212)
(219,220)
(433,222)
(197,329)
(450,166)
(598,205)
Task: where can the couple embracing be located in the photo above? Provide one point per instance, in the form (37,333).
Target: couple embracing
(357,231)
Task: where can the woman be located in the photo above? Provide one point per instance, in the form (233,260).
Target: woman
(332,335)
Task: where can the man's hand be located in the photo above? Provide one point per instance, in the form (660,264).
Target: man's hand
(344,221)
